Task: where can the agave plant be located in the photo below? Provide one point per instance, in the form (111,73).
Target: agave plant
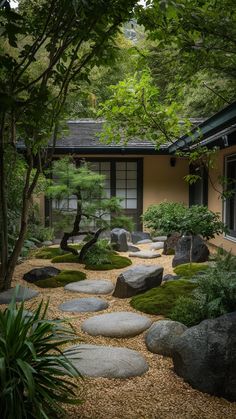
(33,370)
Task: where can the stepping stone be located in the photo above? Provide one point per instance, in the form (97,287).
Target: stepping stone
(145,241)
(83,305)
(22,294)
(138,279)
(148,254)
(37,274)
(118,324)
(133,248)
(91,286)
(157,246)
(106,361)
(159,239)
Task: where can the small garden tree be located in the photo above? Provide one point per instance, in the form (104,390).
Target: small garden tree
(94,208)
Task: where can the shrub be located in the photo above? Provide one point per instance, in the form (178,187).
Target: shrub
(98,254)
(115,262)
(161,300)
(188,270)
(166,216)
(32,366)
(60,280)
(187,311)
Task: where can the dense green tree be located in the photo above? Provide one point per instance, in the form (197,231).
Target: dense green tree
(46,45)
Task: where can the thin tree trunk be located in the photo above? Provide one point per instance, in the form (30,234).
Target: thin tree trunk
(3,208)
(89,244)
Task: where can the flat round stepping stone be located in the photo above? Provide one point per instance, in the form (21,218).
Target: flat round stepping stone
(22,294)
(91,286)
(83,305)
(144,241)
(118,324)
(144,254)
(157,246)
(106,361)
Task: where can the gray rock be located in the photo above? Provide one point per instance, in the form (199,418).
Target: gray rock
(205,356)
(144,241)
(132,248)
(84,305)
(38,274)
(119,239)
(20,293)
(119,324)
(161,336)
(200,251)
(136,236)
(47,243)
(159,239)
(157,246)
(170,277)
(144,254)
(138,279)
(91,286)
(106,361)
(171,243)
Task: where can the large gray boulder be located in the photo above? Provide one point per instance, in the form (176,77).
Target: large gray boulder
(119,239)
(205,356)
(118,324)
(200,251)
(161,336)
(106,361)
(138,236)
(37,274)
(138,279)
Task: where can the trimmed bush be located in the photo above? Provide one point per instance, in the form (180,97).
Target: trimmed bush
(188,270)
(32,367)
(60,280)
(161,300)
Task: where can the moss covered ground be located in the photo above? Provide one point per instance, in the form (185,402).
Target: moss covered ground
(188,270)
(115,262)
(52,252)
(60,280)
(161,300)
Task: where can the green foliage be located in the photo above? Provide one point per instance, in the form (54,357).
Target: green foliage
(32,366)
(161,300)
(66,258)
(60,280)
(173,216)
(215,294)
(122,221)
(166,216)
(189,270)
(98,254)
(115,262)
(52,252)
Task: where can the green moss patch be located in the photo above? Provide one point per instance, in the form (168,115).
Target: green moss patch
(52,252)
(161,300)
(60,280)
(116,262)
(66,258)
(188,270)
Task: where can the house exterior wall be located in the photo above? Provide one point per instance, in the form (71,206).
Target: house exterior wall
(162,182)
(215,203)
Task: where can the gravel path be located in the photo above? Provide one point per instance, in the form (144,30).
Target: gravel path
(158,394)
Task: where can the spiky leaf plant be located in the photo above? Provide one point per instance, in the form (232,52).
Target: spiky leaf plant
(33,370)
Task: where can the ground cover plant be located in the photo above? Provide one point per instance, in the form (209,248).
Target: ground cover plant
(60,280)
(51,252)
(214,296)
(32,366)
(161,300)
(189,270)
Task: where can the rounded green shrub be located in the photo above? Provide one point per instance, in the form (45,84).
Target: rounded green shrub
(52,252)
(161,300)
(115,262)
(188,311)
(60,280)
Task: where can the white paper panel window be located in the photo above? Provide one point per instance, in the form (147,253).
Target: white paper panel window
(121,193)
(131,193)
(131,204)
(131,174)
(131,166)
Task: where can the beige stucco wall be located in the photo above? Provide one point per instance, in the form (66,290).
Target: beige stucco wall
(161,182)
(215,203)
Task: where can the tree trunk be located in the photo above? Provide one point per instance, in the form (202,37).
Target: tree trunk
(89,244)
(3,208)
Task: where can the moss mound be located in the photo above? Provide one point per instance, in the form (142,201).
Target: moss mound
(52,252)
(188,270)
(115,262)
(66,258)
(161,300)
(60,280)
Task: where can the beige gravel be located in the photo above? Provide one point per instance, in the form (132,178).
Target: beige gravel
(158,394)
